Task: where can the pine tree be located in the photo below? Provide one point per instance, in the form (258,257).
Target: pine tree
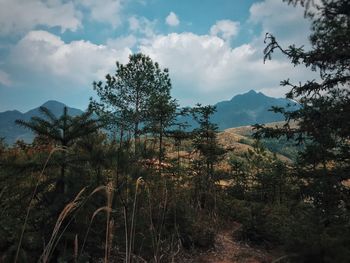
(161,115)
(63,131)
(323,122)
(206,144)
(324,116)
(125,97)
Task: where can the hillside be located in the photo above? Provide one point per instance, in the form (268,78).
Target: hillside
(240,139)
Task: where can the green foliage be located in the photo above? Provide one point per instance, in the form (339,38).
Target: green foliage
(111,200)
(205,138)
(204,141)
(323,127)
(137,96)
(161,115)
(283,146)
(63,130)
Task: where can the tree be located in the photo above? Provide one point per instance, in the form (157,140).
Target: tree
(96,153)
(63,131)
(125,96)
(179,134)
(2,145)
(324,115)
(323,120)
(161,115)
(205,143)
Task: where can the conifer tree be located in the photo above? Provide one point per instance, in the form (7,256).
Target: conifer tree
(63,131)
(161,115)
(206,144)
(323,120)
(125,97)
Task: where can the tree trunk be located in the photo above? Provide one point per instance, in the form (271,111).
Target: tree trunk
(160,147)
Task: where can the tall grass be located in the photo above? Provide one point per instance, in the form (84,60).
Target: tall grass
(32,198)
(130,241)
(69,208)
(73,207)
(109,223)
(156,233)
(108,190)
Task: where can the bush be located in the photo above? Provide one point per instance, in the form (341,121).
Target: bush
(197,231)
(313,241)
(203,234)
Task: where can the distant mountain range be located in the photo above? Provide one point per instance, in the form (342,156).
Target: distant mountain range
(12,132)
(245,109)
(248,109)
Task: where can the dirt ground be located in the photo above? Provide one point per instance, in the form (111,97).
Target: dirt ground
(229,250)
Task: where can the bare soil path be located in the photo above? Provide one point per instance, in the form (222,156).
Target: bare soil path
(228,250)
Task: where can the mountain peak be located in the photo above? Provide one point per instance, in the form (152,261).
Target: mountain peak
(55,107)
(53,103)
(247,109)
(12,132)
(251,92)
(250,95)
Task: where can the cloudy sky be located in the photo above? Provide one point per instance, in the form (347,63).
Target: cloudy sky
(55,49)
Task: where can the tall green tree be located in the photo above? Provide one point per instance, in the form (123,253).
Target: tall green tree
(161,115)
(323,120)
(63,131)
(206,144)
(125,97)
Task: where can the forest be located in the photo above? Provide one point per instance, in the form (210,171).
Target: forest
(129,181)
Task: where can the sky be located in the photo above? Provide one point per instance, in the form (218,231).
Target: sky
(55,49)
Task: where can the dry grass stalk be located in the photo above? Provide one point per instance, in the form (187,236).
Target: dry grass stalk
(32,198)
(132,227)
(109,196)
(126,235)
(130,235)
(162,214)
(104,208)
(281,259)
(157,233)
(69,208)
(108,190)
(110,237)
(76,247)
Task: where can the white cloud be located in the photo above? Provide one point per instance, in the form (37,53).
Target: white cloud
(122,42)
(285,22)
(18,16)
(142,25)
(204,68)
(172,19)
(79,62)
(107,11)
(134,23)
(207,68)
(5,78)
(275,91)
(225,28)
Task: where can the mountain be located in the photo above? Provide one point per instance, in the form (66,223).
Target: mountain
(248,109)
(55,107)
(12,132)
(245,109)
(242,110)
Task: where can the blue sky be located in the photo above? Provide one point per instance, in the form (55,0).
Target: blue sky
(55,49)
